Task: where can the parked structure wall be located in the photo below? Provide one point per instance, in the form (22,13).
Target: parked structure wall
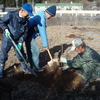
(71,21)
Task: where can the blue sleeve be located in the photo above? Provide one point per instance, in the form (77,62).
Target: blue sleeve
(32,21)
(4,21)
(39,21)
(43,33)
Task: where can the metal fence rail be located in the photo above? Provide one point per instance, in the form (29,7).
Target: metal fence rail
(2,13)
(72,12)
(78,12)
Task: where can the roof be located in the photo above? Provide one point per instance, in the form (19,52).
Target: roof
(58,4)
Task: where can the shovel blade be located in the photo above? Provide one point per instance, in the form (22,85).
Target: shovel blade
(53,62)
(53,65)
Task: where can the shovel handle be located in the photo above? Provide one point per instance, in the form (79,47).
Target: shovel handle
(49,54)
(22,56)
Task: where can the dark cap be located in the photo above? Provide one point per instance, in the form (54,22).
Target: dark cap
(76,43)
(51,10)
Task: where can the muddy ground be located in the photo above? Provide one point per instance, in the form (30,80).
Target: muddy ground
(53,83)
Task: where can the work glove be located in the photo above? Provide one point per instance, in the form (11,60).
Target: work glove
(65,67)
(19,45)
(64,60)
(7,33)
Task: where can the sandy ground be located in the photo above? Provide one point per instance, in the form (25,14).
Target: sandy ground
(52,84)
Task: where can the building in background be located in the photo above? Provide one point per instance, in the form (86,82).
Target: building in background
(60,6)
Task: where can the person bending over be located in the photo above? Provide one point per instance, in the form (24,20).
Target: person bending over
(87,61)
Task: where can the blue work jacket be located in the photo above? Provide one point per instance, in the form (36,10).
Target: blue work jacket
(39,20)
(17,26)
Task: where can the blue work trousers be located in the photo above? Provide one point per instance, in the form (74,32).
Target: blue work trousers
(5,47)
(33,53)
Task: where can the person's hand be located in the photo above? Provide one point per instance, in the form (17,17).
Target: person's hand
(7,33)
(19,45)
(64,60)
(65,67)
(46,48)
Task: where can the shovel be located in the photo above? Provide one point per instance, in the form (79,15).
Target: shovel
(52,62)
(22,57)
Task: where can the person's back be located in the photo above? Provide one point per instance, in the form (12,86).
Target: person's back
(37,25)
(92,53)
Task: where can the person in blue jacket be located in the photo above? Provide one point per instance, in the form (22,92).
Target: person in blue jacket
(37,27)
(14,24)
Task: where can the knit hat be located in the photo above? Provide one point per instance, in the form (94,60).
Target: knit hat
(51,10)
(28,8)
(76,43)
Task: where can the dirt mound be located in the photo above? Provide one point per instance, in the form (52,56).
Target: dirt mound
(56,84)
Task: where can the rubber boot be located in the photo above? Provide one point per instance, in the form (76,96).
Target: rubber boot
(1,71)
(25,69)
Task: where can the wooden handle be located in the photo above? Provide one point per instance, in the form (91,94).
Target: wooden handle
(49,54)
